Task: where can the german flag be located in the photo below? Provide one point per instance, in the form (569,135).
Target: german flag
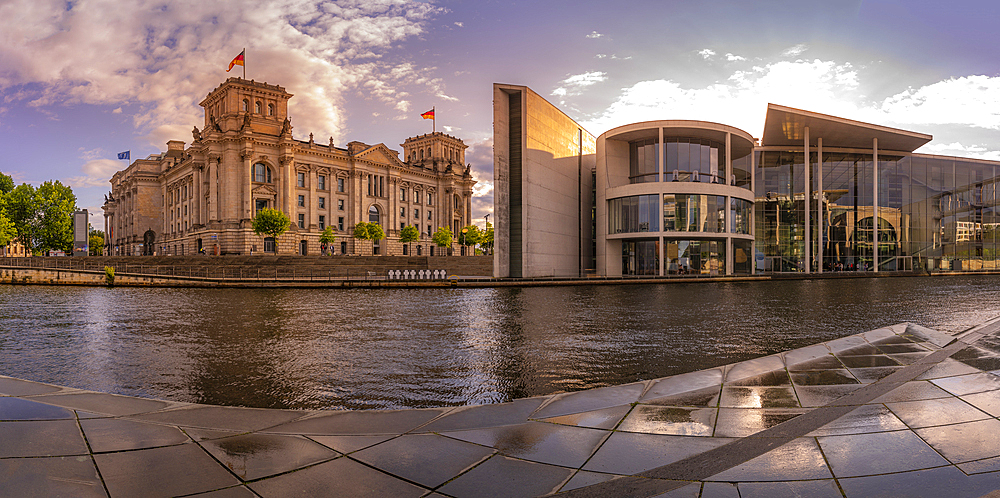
(428,115)
(238,61)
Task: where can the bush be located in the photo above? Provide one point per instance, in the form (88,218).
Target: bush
(109,276)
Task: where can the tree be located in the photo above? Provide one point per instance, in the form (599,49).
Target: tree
(6,184)
(21,209)
(409,234)
(272,222)
(486,243)
(96,242)
(442,237)
(368,231)
(326,238)
(56,204)
(470,236)
(7,231)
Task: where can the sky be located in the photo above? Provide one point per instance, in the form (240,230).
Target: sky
(83,80)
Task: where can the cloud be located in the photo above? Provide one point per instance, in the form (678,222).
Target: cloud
(162,57)
(970,100)
(960,150)
(459,24)
(117,111)
(96,173)
(575,84)
(706,53)
(594,34)
(795,51)
(734,58)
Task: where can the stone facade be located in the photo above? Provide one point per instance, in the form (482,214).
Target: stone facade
(202,197)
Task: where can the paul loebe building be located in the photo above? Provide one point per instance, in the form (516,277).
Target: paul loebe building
(204,196)
(818,194)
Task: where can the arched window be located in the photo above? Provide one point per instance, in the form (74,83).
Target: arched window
(458,201)
(256,107)
(421,154)
(373,216)
(270,109)
(261,173)
(428,152)
(246,105)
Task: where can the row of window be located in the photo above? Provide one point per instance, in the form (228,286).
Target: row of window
(419,155)
(257,107)
(695,160)
(681,213)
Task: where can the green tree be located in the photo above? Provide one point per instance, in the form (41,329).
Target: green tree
(326,239)
(21,208)
(470,236)
(368,231)
(487,241)
(7,230)
(6,184)
(56,204)
(442,237)
(271,222)
(409,234)
(96,242)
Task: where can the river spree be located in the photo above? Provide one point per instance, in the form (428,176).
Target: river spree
(409,348)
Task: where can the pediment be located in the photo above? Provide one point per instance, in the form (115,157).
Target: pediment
(264,190)
(379,154)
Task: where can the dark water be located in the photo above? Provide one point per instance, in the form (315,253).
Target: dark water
(397,348)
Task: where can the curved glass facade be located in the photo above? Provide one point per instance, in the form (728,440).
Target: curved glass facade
(740,214)
(698,257)
(637,213)
(687,160)
(694,213)
(644,161)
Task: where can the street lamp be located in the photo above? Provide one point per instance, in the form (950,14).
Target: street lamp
(464,230)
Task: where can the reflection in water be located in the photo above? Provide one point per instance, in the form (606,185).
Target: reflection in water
(393,348)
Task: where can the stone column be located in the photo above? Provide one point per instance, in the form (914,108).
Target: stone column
(875,213)
(820,221)
(806,191)
(213,188)
(313,215)
(247,201)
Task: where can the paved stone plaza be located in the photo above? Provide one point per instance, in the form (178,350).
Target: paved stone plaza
(898,411)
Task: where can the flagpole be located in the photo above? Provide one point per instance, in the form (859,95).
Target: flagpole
(244,63)
(434,120)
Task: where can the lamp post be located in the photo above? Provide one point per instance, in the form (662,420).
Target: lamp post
(464,230)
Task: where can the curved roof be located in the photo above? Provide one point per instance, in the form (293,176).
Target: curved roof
(785,126)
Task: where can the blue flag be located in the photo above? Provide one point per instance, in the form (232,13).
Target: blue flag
(124,155)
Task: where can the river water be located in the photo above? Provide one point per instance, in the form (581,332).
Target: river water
(409,348)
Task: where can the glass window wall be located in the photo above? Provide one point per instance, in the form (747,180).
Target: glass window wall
(699,257)
(694,160)
(742,257)
(640,257)
(739,215)
(644,161)
(637,213)
(694,213)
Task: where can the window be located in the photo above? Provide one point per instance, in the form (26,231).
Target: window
(416,214)
(369,184)
(405,252)
(270,109)
(402,225)
(261,173)
(322,202)
(185,210)
(373,216)
(402,194)
(430,199)
(421,154)
(429,215)
(302,201)
(321,182)
(458,201)
(340,184)
(184,189)
(429,232)
(256,107)
(301,179)
(416,196)
(343,246)
(340,225)
(340,204)
(402,213)
(246,105)
(302,221)
(269,244)
(259,204)
(322,222)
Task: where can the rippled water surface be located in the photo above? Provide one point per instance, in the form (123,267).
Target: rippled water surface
(393,348)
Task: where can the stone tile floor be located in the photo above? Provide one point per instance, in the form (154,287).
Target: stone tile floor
(898,411)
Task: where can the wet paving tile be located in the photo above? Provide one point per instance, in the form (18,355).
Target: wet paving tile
(10,386)
(719,490)
(808,353)
(931,412)
(969,384)
(909,347)
(233,492)
(932,483)
(681,421)
(58,476)
(773,378)
(685,384)
(583,478)
(758,397)
(41,438)
(689,491)
(813,489)
(117,435)
(917,333)
(22,409)
(474,417)
(594,399)
(502,476)
(847,343)
(350,444)
(108,404)
(253,456)
(981,466)
(222,417)
(907,358)
(538,441)
(340,477)
(629,453)
(795,461)
(360,422)
(868,361)
(827,362)
(965,442)
(754,368)
(425,459)
(860,350)
(606,419)
(868,418)
(824,377)
(912,391)
(706,397)
(987,364)
(814,396)
(988,401)
(947,368)
(742,422)
(869,375)
(169,471)
(878,453)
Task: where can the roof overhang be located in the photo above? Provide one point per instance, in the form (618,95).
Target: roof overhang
(785,126)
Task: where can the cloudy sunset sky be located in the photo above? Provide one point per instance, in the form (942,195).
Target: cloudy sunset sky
(83,80)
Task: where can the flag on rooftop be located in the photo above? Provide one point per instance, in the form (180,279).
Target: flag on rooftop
(124,155)
(238,61)
(428,115)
